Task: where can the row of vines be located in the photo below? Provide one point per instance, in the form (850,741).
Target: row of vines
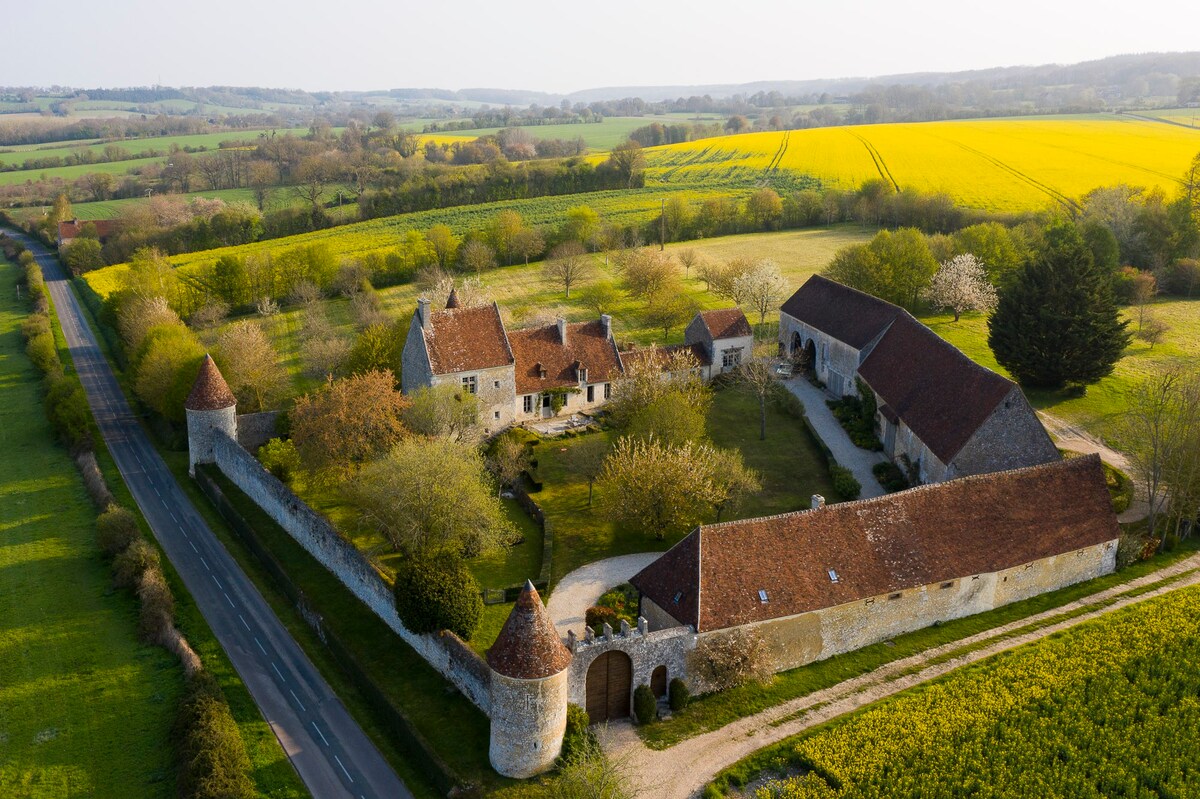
(1109,709)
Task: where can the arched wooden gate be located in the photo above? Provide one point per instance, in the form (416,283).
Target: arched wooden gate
(609,679)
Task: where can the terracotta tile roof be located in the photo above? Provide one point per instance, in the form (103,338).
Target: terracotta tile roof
(698,351)
(726,323)
(72,228)
(528,648)
(462,339)
(846,314)
(937,391)
(210,392)
(587,344)
(926,535)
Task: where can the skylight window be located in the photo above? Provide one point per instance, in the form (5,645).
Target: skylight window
(833,576)
(762,596)
(678,596)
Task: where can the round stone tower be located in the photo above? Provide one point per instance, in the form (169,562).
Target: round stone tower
(529,690)
(210,407)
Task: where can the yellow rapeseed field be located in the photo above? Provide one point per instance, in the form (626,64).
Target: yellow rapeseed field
(997,164)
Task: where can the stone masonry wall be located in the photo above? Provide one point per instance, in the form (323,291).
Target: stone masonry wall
(1011,438)
(496,389)
(837,362)
(256,429)
(450,657)
(647,650)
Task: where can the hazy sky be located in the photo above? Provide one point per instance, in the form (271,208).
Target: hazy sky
(559,46)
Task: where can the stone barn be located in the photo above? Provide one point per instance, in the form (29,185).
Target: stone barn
(829,580)
(938,413)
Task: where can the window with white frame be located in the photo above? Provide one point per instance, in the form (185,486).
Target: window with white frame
(730,359)
(470,384)
(527,403)
(608,390)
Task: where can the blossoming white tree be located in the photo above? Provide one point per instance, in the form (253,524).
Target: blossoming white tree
(762,287)
(961,284)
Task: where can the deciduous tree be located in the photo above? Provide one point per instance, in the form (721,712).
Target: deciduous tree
(567,265)
(251,366)
(762,287)
(348,423)
(444,411)
(961,285)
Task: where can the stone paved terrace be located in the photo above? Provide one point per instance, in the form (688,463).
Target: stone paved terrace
(859,461)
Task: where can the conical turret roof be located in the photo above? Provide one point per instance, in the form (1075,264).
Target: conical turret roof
(528,647)
(210,392)
(452,300)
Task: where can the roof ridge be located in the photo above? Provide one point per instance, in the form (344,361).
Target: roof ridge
(858,503)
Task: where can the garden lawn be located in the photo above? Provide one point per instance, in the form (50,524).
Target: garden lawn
(1100,410)
(85,709)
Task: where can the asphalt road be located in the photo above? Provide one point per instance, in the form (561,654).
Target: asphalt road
(327,747)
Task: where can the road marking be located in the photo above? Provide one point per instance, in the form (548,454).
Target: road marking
(277,671)
(175,520)
(298,702)
(243,621)
(205,562)
(318,729)
(218,582)
(347,773)
(156,491)
(260,646)
(230,601)
(193,546)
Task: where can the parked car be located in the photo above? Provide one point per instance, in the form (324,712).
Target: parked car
(784,369)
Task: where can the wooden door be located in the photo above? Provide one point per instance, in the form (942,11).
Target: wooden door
(608,682)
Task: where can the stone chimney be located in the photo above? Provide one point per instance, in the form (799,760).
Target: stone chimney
(606,323)
(423,311)
(818,501)
(562,330)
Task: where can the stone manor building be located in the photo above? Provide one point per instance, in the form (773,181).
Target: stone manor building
(939,414)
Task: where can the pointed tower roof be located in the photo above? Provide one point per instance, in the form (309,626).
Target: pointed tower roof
(452,300)
(210,392)
(528,648)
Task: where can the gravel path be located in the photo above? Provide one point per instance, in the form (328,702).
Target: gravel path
(830,431)
(580,589)
(683,770)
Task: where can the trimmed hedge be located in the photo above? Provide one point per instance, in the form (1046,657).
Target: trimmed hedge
(645,706)
(212,758)
(890,476)
(116,529)
(680,694)
(844,482)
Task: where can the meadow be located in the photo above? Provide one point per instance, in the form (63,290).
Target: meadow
(603,135)
(1005,165)
(208,141)
(113,698)
(1042,720)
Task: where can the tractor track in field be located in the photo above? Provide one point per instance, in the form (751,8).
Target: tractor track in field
(776,160)
(698,158)
(880,165)
(1050,191)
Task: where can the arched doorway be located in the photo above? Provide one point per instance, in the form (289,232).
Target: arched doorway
(658,682)
(608,682)
(796,346)
(806,358)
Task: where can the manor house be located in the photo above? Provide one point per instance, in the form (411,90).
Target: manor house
(539,372)
(939,413)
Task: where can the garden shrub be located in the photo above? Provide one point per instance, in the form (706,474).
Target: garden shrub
(857,418)
(577,734)
(116,529)
(67,409)
(890,476)
(1120,488)
(731,658)
(788,402)
(209,751)
(279,457)
(597,616)
(1132,547)
(844,482)
(44,354)
(680,695)
(645,706)
(129,566)
(438,593)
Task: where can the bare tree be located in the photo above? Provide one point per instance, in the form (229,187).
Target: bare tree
(756,376)
(689,258)
(251,366)
(586,459)
(477,256)
(509,458)
(1152,331)
(568,264)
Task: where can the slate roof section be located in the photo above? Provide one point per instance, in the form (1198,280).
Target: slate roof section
(528,648)
(465,339)
(726,323)
(847,314)
(937,391)
(588,344)
(926,535)
(210,392)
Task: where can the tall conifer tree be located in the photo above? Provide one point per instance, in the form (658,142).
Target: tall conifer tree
(1058,322)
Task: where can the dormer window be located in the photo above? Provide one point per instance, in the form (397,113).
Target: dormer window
(541,370)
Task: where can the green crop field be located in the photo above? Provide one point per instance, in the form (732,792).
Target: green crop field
(598,135)
(85,709)
(996,164)
(72,172)
(1105,709)
(210,141)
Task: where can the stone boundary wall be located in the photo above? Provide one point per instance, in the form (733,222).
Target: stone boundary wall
(256,429)
(446,652)
(647,651)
